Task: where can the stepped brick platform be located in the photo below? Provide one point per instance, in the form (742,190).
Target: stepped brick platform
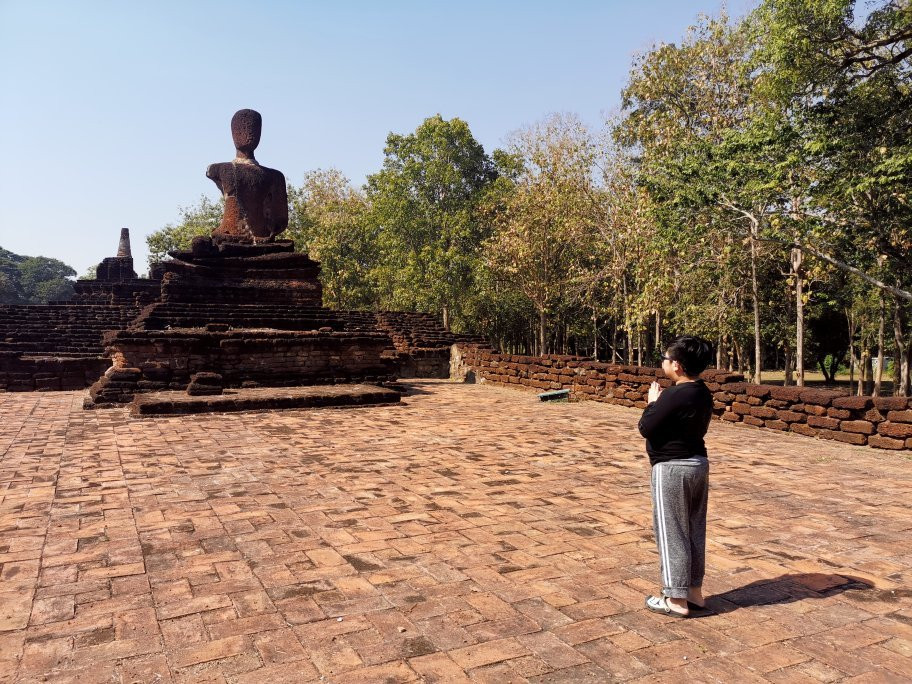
(250,313)
(56,346)
(65,328)
(211,293)
(267,398)
(231,273)
(170,314)
(149,361)
(432,542)
(59,346)
(422,343)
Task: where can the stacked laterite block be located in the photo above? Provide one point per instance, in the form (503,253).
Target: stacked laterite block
(137,292)
(147,361)
(251,314)
(57,346)
(880,422)
(421,342)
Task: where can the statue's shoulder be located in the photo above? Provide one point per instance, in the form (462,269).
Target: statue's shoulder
(216,170)
(274,174)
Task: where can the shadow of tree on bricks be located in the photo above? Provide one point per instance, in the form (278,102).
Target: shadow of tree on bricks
(413,387)
(795,587)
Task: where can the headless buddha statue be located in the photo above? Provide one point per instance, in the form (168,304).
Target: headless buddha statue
(256,203)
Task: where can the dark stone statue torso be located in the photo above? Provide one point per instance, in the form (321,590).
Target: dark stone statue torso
(256,203)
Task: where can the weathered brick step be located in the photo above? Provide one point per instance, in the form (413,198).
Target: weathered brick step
(184,315)
(262,399)
(46,348)
(45,331)
(61,329)
(56,354)
(248,321)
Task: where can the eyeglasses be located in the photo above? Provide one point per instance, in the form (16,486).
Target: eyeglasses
(666,358)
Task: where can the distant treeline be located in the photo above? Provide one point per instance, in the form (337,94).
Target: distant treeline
(754,189)
(33,280)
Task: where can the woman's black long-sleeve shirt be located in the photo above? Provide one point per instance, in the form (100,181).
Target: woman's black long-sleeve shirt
(674,425)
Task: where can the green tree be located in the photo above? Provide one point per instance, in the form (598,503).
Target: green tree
(846,86)
(424,207)
(33,280)
(46,280)
(328,220)
(540,227)
(90,273)
(681,107)
(10,287)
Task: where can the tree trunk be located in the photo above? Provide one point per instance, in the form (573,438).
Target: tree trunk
(864,371)
(615,355)
(788,365)
(826,376)
(658,334)
(902,364)
(629,347)
(542,332)
(756,296)
(899,348)
(446,317)
(639,346)
(906,380)
(799,317)
(869,373)
(595,349)
(627,321)
(851,320)
(880,347)
(614,340)
(859,386)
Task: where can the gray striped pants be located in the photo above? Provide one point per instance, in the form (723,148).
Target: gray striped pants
(680,490)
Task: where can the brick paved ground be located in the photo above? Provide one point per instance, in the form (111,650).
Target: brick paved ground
(469,533)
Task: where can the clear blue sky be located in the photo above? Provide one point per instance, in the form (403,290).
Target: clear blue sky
(111,111)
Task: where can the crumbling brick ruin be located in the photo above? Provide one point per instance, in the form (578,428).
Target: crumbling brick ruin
(59,346)
(62,346)
(239,305)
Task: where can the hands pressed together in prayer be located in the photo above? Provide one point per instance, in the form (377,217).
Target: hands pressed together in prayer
(654,392)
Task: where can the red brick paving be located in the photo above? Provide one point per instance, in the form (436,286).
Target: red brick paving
(470,534)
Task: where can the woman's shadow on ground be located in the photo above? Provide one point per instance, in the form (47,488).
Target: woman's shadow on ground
(796,587)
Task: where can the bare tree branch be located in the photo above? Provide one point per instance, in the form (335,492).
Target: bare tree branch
(841,265)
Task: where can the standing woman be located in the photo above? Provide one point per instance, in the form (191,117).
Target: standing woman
(674,423)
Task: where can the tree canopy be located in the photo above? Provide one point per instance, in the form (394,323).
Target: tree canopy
(33,280)
(754,188)
(424,206)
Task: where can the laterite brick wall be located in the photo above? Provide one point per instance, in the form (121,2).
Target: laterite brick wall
(881,422)
(22,373)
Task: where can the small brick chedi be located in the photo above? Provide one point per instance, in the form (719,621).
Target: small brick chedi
(240,305)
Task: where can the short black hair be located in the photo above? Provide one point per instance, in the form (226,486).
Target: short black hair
(692,352)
